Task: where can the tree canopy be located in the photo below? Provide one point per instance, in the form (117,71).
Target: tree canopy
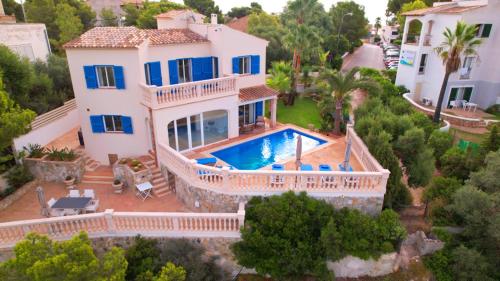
(239,12)
(205,7)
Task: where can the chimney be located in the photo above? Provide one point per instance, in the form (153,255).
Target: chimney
(213,18)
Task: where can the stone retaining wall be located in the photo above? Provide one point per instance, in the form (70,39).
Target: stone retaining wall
(55,171)
(211,201)
(354,267)
(129,177)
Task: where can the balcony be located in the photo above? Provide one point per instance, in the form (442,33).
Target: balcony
(173,95)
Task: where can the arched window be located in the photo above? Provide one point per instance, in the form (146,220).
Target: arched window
(415,26)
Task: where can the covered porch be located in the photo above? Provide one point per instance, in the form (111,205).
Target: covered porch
(252,108)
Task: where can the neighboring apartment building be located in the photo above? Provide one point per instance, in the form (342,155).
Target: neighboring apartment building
(28,40)
(186,84)
(422,71)
(390,33)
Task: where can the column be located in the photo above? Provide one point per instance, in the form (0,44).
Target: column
(274,108)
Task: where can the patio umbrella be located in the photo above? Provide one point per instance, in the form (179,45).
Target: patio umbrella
(298,152)
(347,155)
(41,199)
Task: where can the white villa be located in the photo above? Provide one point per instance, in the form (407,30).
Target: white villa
(422,71)
(186,84)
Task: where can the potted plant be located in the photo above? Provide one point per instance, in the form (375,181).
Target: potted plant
(69,181)
(118,185)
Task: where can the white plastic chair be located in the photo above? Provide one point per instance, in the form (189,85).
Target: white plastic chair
(74,193)
(89,193)
(92,207)
(51,202)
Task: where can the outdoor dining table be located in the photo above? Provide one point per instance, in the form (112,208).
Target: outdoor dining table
(469,105)
(144,190)
(72,203)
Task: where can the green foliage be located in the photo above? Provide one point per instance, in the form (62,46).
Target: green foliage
(439,263)
(492,141)
(64,19)
(11,7)
(39,258)
(291,235)
(455,163)
(469,265)
(411,6)
(19,176)
(170,272)
(204,7)
(440,142)
(62,154)
(142,257)
(145,17)
(239,12)
(146,257)
(132,14)
(39,86)
(352,27)
(486,178)
(280,77)
(441,187)
(108,17)
(69,24)
(269,28)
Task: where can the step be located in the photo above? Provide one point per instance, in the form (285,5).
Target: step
(99,177)
(97,182)
(160,185)
(157,181)
(162,192)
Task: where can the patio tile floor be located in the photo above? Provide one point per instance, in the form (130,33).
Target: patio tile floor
(27,207)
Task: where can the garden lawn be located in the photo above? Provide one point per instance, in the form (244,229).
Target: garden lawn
(302,113)
(459,134)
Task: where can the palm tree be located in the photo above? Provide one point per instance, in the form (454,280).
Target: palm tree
(340,86)
(280,79)
(377,25)
(459,43)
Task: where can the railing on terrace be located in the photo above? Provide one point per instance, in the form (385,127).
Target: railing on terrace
(171,95)
(123,224)
(48,117)
(262,182)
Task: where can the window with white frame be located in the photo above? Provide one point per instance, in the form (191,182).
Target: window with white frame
(106,76)
(483,30)
(244,65)
(423,63)
(113,123)
(466,68)
(184,68)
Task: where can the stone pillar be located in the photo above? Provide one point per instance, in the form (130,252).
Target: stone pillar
(274,108)
(423,32)
(108,214)
(241,214)
(406,28)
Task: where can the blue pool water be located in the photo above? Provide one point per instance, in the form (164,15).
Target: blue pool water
(260,152)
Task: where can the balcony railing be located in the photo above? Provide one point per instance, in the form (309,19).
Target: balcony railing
(427,40)
(124,224)
(172,95)
(372,181)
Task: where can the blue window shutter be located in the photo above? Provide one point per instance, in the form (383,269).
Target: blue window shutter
(255,61)
(172,72)
(206,68)
(120,80)
(127,125)
(155,73)
(97,124)
(258,108)
(197,68)
(236,65)
(90,76)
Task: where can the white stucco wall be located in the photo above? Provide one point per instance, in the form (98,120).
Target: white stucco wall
(31,37)
(110,101)
(46,134)
(484,76)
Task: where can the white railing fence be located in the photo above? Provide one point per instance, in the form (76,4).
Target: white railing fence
(170,95)
(260,182)
(123,224)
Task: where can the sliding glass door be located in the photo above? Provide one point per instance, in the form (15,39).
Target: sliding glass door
(198,130)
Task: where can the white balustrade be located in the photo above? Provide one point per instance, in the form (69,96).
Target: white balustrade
(122,224)
(261,182)
(170,95)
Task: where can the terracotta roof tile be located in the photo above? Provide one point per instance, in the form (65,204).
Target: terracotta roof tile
(442,9)
(256,92)
(240,24)
(173,36)
(132,37)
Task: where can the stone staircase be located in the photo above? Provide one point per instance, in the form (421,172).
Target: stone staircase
(160,185)
(102,175)
(90,164)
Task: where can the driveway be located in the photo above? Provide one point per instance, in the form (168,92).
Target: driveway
(368,55)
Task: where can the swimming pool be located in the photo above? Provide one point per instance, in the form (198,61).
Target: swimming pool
(260,152)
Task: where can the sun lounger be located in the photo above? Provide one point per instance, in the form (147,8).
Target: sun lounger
(74,193)
(306,167)
(89,193)
(325,168)
(209,161)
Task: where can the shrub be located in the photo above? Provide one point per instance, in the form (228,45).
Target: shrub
(19,176)
(63,154)
(440,142)
(487,177)
(454,164)
(35,151)
(494,109)
(142,256)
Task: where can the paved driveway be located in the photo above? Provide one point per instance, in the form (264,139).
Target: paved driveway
(367,55)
